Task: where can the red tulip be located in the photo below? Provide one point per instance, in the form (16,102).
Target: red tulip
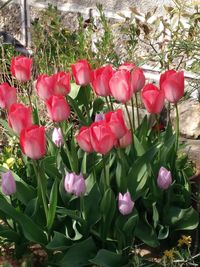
(137,79)
(83,139)
(116,122)
(126,140)
(58,108)
(127,66)
(8,95)
(153,98)
(33,142)
(19,117)
(172,83)
(120,86)
(45,86)
(102,137)
(21,68)
(100,80)
(82,72)
(62,84)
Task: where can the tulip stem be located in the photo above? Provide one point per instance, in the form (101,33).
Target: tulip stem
(107,102)
(129,118)
(137,106)
(111,104)
(177,128)
(106,179)
(133,112)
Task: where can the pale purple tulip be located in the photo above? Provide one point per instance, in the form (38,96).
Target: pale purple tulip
(164,179)
(99,117)
(125,203)
(8,183)
(75,184)
(57,137)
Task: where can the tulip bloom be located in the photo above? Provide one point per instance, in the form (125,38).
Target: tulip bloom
(75,184)
(100,80)
(58,108)
(102,137)
(82,72)
(172,83)
(8,183)
(164,179)
(125,140)
(137,79)
(8,95)
(45,86)
(99,117)
(83,139)
(57,137)
(153,98)
(125,203)
(21,68)
(116,122)
(62,84)
(19,117)
(33,142)
(127,66)
(120,86)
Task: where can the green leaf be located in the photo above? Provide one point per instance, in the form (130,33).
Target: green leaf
(24,192)
(52,205)
(74,90)
(79,254)
(98,105)
(49,166)
(9,234)
(78,112)
(59,242)
(84,96)
(7,128)
(31,230)
(106,258)
(163,232)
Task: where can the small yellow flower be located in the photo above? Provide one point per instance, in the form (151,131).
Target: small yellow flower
(5,166)
(185,240)
(169,253)
(10,162)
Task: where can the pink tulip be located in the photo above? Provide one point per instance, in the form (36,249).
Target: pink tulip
(125,203)
(125,140)
(8,183)
(19,117)
(45,86)
(102,137)
(127,66)
(120,86)
(21,68)
(116,122)
(8,95)
(62,84)
(33,142)
(83,139)
(82,72)
(100,80)
(58,108)
(137,79)
(172,83)
(153,98)
(164,179)
(75,184)
(57,137)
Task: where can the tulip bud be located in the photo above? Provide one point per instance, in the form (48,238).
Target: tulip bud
(82,72)
(75,184)
(57,137)
(137,79)
(62,83)
(127,66)
(8,95)
(126,140)
(164,179)
(8,183)
(83,139)
(125,203)
(45,86)
(58,108)
(99,117)
(21,68)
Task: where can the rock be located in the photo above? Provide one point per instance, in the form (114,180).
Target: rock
(189,117)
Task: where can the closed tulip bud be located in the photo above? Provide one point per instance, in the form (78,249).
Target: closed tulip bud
(8,183)
(127,66)
(19,117)
(100,80)
(172,83)
(102,137)
(21,68)
(83,139)
(75,184)
(125,203)
(57,137)
(153,98)
(116,122)
(125,140)
(164,179)
(137,79)
(45,86)
(33,142)
(58,108)
(82,72)
(99,117)
(120,86)
(62,84)
(8,95)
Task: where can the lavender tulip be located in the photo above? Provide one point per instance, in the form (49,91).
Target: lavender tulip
(75,184)
(125,203)
(57,137)
(99,117)
(8,183)
(164,179)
